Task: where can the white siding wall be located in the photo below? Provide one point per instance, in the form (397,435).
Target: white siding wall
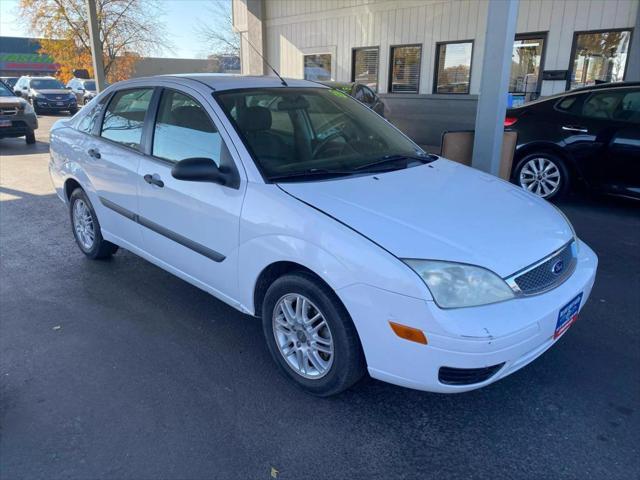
(296,27)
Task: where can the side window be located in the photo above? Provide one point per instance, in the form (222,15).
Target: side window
(89,119)
(124,118)
(601,105)
(184,130)
(629,108)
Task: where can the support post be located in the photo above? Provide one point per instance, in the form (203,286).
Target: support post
(633,54)
(502,17)
(96,46)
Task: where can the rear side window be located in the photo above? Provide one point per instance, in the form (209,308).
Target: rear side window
(89,118)
(567,103)
(184,130)
(124,118)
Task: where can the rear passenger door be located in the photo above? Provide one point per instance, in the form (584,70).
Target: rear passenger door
(191,227)
(111,159)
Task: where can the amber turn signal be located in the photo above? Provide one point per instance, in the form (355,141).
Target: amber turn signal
(409,333)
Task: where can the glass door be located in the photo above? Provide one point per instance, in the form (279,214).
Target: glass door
(526,67)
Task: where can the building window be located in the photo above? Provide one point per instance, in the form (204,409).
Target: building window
(453,67)
(598,57)
(317,67)
(404,73)
(526,66)
(364,68)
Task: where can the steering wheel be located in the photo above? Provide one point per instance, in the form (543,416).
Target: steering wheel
(323,143)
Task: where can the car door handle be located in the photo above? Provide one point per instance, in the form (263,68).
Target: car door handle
(94,153)
(153,180)
(574,128)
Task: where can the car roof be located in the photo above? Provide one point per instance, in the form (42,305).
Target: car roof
(576,91)
(226,81)
(601,86)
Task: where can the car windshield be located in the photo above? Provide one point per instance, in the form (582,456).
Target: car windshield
(90,85)
(294,134)
(4,91)
(46,83)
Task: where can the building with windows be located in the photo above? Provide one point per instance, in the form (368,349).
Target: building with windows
(425,57)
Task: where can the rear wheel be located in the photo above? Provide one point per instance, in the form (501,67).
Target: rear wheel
(86,228)
(311,336)
(543,174)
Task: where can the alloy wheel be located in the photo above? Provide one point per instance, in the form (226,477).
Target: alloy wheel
(83,224)
(303,336)
(540,176)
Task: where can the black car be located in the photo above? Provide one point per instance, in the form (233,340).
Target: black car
(361,93)
(591,134)
(46,94)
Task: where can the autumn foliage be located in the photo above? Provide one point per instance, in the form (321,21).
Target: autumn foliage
(127,29)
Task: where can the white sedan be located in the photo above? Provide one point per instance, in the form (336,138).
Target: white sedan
(294,203)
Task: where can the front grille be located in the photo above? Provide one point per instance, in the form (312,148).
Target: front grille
(467,376)
(9,111)
(56,96)
(547,274)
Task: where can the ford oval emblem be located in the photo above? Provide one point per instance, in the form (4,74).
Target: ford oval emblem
(557,267)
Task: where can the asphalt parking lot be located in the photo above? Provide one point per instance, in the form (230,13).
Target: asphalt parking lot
(119,370)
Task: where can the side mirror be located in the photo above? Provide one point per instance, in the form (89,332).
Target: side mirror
(17,93)
(200,170)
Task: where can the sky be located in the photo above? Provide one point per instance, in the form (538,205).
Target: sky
(181,18)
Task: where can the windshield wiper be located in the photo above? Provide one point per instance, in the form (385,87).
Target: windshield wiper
(312,172)
(427,158)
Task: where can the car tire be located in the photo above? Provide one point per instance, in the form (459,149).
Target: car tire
(30,137)
(327,356)
(73,111)
(86,227)
(543,174)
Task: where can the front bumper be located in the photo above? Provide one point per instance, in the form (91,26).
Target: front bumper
(510,334)
(55,105)
(21,124)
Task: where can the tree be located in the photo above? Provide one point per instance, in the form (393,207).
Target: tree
(217,33)
(127,28)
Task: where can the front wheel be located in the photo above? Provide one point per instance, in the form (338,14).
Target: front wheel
(311,336)
(86,228)
(30,137)
(543,174)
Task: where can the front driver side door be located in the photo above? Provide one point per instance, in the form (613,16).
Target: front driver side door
(191,227)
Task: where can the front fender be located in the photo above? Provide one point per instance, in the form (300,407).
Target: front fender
(261,252)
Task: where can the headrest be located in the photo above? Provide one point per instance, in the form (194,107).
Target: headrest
(193,117)
(253,119)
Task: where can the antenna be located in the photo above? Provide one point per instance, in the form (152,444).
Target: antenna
(265,60)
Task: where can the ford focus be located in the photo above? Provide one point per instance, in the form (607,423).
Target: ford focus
(296,204)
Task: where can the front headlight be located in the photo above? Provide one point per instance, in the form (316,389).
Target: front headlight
(28,108)
(38,95)
(455,285)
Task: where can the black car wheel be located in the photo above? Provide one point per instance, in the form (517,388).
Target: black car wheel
(311,336)
(543,174)
(30,137)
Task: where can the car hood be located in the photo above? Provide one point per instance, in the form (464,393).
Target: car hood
(52,91)
(12,102)
(443,211)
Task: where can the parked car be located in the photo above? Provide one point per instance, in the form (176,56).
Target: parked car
(17,118)
(46,94)
(358,250)
(83,89)
(361,93)
(590,134)
(9,81)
